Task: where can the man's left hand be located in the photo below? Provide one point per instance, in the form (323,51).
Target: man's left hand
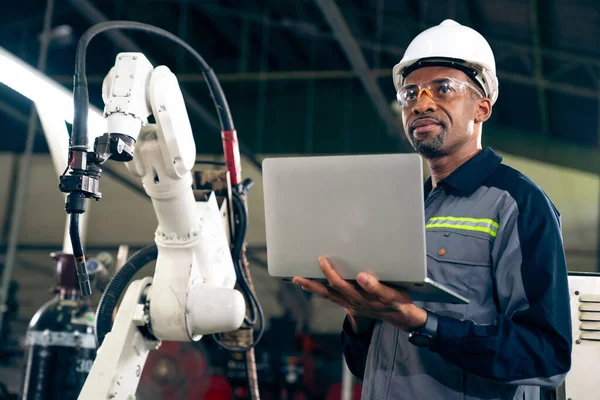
(370,299)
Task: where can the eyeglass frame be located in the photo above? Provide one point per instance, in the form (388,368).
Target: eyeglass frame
(427,90)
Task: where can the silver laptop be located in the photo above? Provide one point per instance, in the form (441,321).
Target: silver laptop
(363,212)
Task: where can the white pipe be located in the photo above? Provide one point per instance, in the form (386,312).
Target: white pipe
(44,91)
(23,175)
(347,381)
(54,105)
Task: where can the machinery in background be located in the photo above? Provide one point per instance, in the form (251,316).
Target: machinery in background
(8,342)
(237,376)
(100,268)
(293,387)
(201,283)
(582,380)
(60,345)
(176,371)
(5,394)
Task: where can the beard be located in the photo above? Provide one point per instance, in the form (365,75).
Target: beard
(430,147)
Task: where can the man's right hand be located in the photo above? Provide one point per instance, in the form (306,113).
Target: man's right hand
(369,298)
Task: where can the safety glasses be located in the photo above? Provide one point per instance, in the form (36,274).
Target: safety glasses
(438,89)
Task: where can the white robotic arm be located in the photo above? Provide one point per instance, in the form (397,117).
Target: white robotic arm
(192,292)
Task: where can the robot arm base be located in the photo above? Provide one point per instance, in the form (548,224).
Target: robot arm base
(117,377)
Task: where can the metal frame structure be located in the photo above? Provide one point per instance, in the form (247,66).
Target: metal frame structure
(344,36)
(530,59)
(524,54)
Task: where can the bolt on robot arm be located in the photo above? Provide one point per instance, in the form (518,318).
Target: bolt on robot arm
(192,292)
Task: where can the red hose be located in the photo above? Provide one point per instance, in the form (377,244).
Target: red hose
(231,150)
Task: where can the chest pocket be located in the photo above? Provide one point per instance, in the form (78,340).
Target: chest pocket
(464,248)
(462,262)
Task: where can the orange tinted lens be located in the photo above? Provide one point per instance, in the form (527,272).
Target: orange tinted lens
(426,91)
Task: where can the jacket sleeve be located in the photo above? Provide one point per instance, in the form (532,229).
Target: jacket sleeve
(355,348)
(531,340)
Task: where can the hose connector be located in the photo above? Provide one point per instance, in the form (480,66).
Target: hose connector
(83,277)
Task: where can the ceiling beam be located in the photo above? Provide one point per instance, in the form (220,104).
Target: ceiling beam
(510,141)
(347,74)
(285,54)
(13,112)
(564,61)
(327,56)
(307,28)
(354,54)
(537,39)
(238,39)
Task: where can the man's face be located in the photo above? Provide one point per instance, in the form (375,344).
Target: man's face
(437,127)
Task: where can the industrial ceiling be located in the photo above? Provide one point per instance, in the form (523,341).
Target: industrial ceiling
(314,76)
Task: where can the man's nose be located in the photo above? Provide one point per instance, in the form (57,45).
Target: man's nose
(425,102)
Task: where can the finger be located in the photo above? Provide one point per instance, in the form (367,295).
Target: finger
(298,280)
(311,286)
(321,290)
(384,293)
(364,294)
(341,286)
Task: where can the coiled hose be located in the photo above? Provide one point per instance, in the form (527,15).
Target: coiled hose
(117,286)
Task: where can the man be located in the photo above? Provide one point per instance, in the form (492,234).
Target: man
(492,235)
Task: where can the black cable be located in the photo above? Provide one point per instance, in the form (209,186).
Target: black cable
(80,92)
(237,254)
(82,274)
(116,287)
(254,305)
(74,230)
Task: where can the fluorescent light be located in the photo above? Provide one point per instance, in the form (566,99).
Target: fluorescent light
(45,92)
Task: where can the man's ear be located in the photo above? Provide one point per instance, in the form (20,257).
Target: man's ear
(483,110)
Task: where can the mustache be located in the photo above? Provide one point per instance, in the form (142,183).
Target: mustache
(433,117)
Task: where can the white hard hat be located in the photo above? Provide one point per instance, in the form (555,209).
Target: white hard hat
(454,45)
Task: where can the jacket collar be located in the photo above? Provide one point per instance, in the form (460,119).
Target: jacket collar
(471,174)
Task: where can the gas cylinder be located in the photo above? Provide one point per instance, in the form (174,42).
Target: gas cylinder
(60,343)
